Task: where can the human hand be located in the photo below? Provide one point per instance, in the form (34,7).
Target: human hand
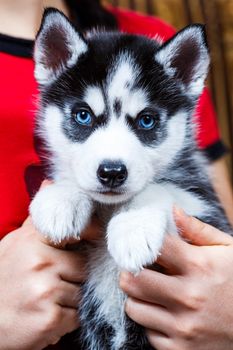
(191,306)
(39,286)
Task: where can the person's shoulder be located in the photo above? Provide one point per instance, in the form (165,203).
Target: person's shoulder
(137,23)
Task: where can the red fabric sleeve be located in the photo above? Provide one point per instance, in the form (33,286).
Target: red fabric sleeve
(17,95)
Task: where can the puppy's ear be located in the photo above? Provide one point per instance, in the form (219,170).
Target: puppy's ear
(185,57)
(57,47)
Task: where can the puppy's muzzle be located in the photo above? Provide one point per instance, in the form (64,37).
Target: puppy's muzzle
(112,174)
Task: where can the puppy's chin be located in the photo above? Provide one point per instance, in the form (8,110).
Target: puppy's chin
(110,197)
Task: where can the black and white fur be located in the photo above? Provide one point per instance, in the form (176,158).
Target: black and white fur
(119,79)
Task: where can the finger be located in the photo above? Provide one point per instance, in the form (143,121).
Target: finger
(68,295)
(72,266)
(199,233)
(65,321)
(70,320)
(153,287)
(150,315)
(175,254)
(159,341)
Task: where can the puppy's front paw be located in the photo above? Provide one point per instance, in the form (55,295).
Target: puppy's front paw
(59,213)
(135,238)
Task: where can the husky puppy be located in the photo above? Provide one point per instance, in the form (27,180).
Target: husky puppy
(116,115)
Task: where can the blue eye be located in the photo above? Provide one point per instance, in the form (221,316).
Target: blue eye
(146,122)
(83,117)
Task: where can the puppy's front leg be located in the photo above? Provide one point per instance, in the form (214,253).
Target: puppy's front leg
(60,211)
(135,235)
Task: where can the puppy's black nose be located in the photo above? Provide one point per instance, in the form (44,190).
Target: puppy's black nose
(112,174)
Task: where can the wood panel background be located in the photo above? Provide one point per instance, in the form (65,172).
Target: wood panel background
(218,17)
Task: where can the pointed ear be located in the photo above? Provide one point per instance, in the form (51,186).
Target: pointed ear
(186,58)
(57,47)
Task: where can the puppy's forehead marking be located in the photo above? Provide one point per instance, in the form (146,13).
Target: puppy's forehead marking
(121,78)
(123,97)
(117,107)
(94,98)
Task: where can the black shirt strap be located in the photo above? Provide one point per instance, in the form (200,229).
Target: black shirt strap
(215,151)
(16,46)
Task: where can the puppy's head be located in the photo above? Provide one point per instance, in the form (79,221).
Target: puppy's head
(115,107)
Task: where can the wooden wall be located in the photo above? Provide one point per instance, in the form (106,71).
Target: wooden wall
(218,17)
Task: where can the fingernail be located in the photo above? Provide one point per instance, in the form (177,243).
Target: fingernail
(124,281)
(45,183)
(179,213)
(125,275)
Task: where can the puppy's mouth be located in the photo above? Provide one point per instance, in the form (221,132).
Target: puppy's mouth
(110,195)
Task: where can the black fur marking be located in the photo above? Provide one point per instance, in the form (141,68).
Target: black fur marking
(77,132)
(149,137)
(137,339)
(188,162)
(127,84)
(117,106)
(101,332)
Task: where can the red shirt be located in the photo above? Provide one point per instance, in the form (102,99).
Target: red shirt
(20,170)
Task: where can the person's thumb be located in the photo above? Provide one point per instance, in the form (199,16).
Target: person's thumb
(197,232)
